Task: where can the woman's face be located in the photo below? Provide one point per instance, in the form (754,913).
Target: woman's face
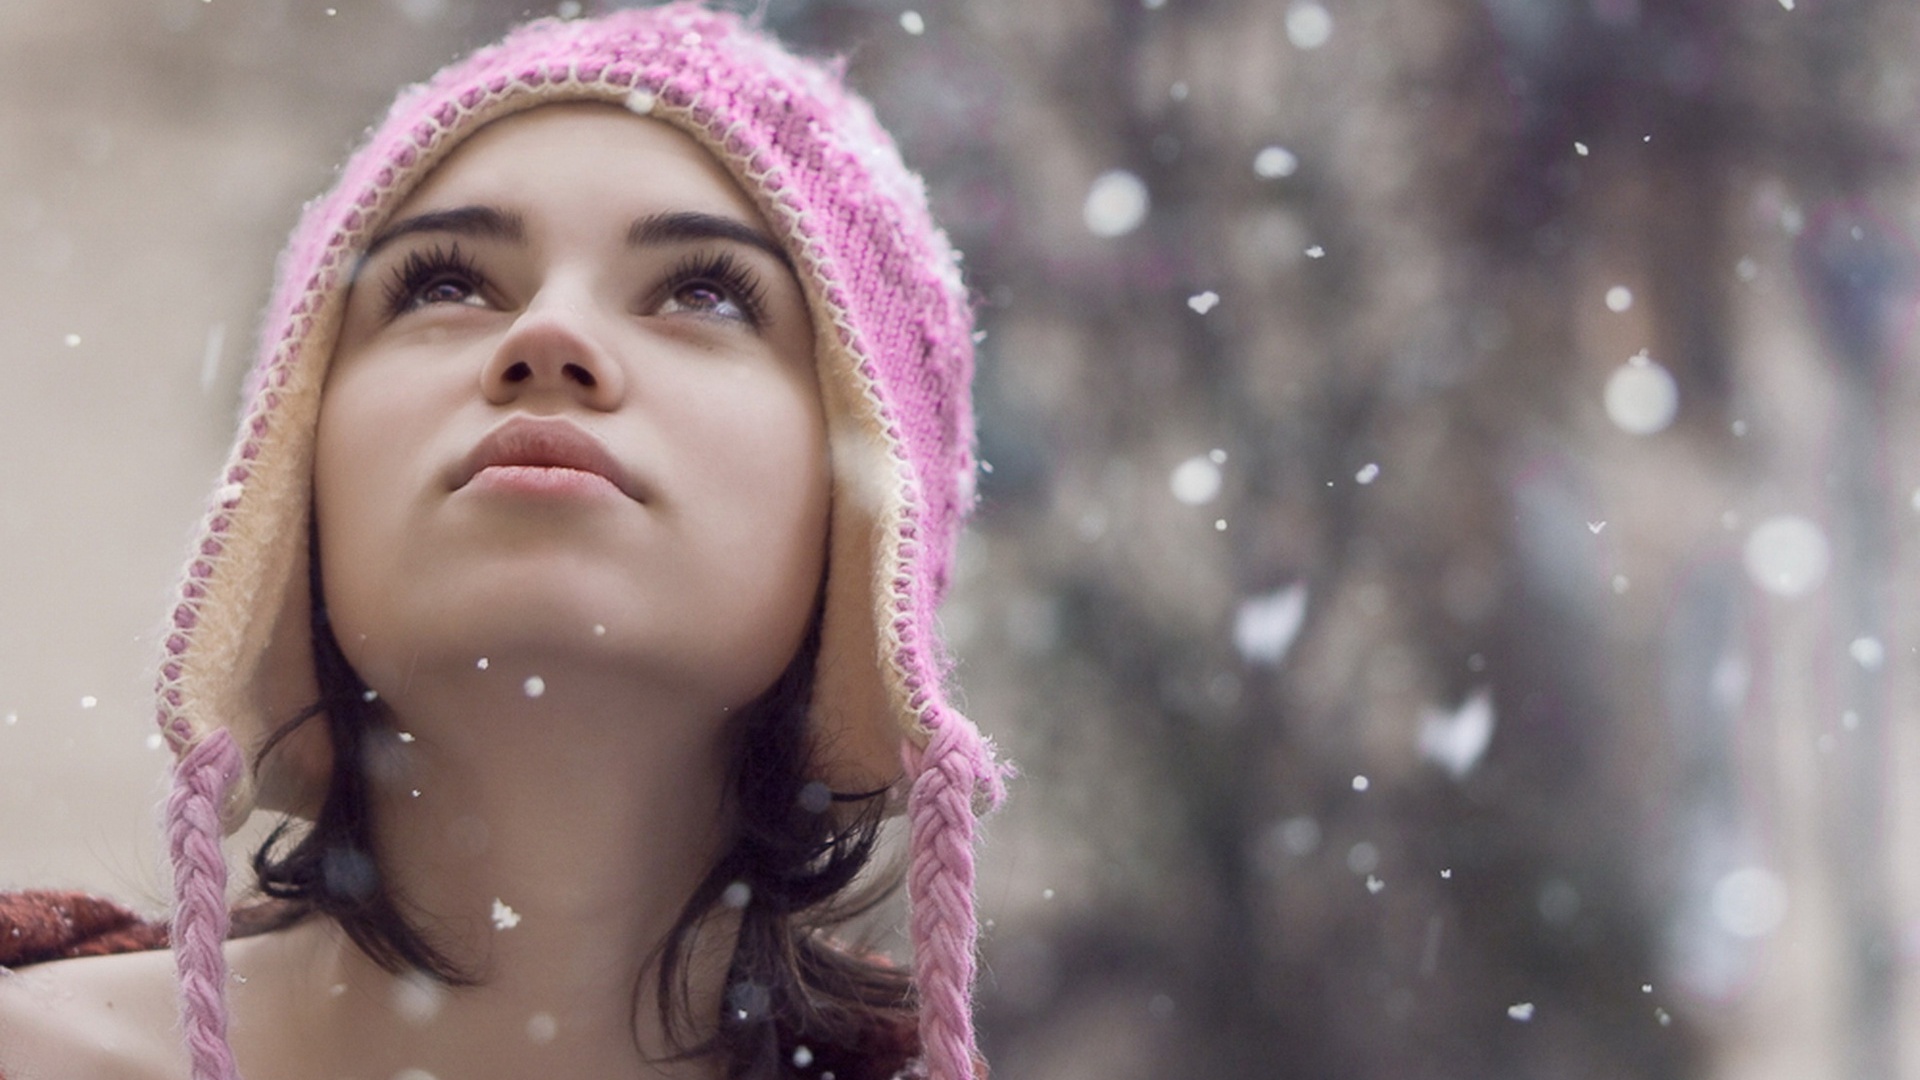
(573,414)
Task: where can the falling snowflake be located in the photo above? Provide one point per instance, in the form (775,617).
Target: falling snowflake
(1787,555)
(1308,25)
(1195,481)
(1274,163)
(417,999)
(1641,396)
(1264,627)
(1749,902)
(1867,652)
(1456,739)
(1116,204)
(504,917)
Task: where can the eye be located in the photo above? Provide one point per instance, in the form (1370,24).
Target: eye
(714,285)
(703,297)
(435,276)
(445,291)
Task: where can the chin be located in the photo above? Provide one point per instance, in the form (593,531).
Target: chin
(721,645)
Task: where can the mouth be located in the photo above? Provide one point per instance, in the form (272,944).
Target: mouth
(544,455)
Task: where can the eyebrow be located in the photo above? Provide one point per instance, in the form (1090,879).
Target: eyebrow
(691,225)
(479,222)
(491,223)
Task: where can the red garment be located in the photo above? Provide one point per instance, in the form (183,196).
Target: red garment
(39,926)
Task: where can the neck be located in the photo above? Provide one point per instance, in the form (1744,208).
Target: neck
(546,845)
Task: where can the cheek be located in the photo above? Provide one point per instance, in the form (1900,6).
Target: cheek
(357,499)
(783,464)
(767,521)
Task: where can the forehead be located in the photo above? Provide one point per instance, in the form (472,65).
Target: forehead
(578,158)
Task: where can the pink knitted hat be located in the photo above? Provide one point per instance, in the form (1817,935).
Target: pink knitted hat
(895,358)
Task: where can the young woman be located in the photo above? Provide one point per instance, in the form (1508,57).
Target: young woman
(571,588)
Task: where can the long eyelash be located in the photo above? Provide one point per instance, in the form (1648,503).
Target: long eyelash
(722,269)
(422,267)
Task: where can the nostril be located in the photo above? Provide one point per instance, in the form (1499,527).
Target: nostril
(580,375)
(518,372)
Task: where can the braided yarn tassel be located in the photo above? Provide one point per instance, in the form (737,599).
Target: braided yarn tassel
(201,781)
(944,924)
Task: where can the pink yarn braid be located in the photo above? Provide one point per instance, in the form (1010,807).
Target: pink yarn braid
(950,771)
(202,779)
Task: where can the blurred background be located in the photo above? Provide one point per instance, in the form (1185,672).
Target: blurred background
(1445,567)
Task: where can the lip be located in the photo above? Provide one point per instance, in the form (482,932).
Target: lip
(542,455)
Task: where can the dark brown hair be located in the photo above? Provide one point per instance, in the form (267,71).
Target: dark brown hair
(790,869)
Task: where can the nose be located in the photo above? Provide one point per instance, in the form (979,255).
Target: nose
(553,349)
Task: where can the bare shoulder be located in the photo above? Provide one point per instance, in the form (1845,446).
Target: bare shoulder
(92,1018)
